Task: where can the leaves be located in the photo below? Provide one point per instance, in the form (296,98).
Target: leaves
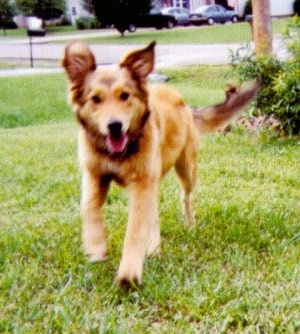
(46,9)
(280,81)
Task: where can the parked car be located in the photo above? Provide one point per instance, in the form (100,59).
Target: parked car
(212,14)
(154,19)
(180,14)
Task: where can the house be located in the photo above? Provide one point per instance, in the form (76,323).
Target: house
(279,8)
(190,4)
(76,9)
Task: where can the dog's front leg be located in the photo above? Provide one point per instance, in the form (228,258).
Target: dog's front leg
(94,191)
(143,214)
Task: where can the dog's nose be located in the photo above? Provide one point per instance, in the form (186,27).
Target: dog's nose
(115,128)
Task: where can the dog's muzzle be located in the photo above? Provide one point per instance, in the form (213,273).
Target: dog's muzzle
(117,139)
(115,129)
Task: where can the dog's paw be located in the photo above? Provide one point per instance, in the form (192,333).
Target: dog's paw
(128,284)
(129,277)
(96,253)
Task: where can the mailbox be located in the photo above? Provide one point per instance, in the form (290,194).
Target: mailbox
(36,32)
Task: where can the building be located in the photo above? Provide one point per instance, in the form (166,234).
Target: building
(76,9)
(190,4)
(278,7)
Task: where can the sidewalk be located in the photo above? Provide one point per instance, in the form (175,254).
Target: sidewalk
(63,37)
(16,72)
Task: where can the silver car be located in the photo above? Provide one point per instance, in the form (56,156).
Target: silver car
(212,14)
(180,14)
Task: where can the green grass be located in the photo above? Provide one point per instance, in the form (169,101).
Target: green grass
(205,34)
(228,33)
(12,33)
(237,271)
(33,100)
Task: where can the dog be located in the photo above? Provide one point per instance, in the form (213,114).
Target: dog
(133,133)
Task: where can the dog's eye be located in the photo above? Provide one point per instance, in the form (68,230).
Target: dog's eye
(96,99)
(124,96)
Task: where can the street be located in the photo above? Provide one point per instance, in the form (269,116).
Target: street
(47,49)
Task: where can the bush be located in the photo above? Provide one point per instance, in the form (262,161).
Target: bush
(248,8)
(84,23)
(280,81)
(297,7)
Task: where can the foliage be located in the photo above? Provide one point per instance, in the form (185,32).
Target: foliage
(88,6)
(248,8)
(280,81)
(6,12)
(287,84)
(84,23)
(46,9)
(118,12)
(297,7)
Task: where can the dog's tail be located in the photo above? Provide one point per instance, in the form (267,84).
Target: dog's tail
(212,118)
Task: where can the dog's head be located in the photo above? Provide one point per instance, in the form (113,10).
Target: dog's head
(110,103)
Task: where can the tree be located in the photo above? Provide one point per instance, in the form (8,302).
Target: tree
(262,27)
(6,13)
(297,7)
(88,6)
(44,9)
(119,12)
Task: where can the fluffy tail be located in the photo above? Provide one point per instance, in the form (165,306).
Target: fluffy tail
(209,119)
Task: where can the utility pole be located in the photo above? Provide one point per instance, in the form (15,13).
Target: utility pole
(262,26)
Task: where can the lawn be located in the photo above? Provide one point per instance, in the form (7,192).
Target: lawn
(228,33)
(236,271)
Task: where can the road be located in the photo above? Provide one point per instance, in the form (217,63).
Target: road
(49,50)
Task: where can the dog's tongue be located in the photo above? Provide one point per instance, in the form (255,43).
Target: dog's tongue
(117,145)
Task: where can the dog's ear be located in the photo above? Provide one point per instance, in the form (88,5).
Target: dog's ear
(78,61)
(140,62)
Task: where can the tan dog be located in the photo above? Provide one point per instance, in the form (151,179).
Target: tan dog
(133,133)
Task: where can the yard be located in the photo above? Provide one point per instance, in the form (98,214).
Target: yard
(236,271)
(228,33)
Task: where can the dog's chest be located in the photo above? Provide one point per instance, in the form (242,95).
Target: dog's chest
(117,171)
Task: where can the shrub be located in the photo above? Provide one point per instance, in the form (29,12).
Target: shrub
(84,23)
(297,7)
(280,81)
(248,8)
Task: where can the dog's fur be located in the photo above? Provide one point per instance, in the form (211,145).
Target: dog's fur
(133,133)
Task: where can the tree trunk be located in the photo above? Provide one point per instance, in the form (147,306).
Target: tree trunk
(262,27)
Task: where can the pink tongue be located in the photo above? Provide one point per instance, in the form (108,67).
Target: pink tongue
(117,145)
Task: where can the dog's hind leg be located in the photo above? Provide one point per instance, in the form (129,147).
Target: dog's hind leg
(94,192)
(186,170)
